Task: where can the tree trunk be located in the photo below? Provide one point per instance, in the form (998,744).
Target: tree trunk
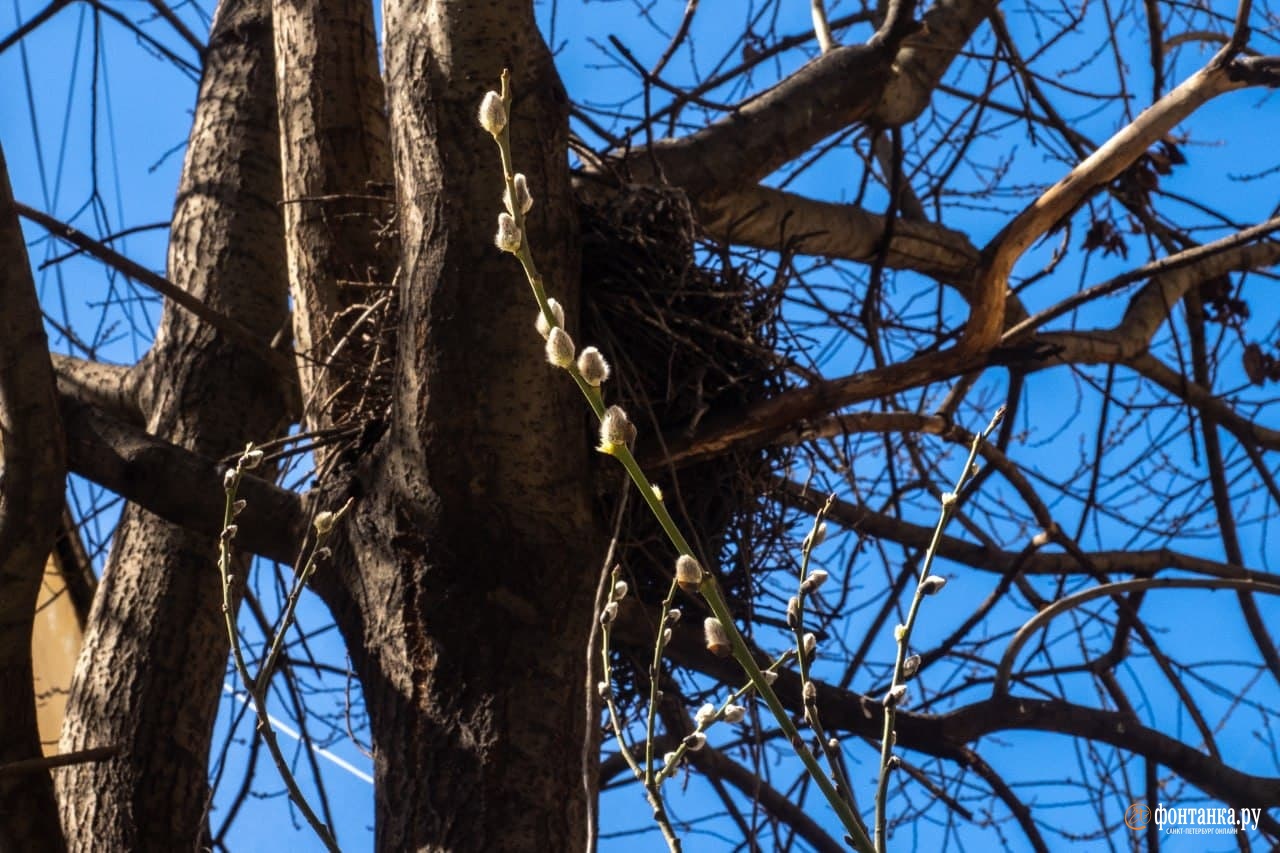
(32,473)
(336,162)
(475,539)
(152,665)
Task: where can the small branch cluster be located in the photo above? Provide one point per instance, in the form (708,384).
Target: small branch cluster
(257,687)
(907,665)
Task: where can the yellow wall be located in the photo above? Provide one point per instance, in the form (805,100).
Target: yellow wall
(55,641)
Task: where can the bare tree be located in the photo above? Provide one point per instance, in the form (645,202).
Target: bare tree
(818,260)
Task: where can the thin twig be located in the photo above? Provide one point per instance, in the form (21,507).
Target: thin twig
(925,585)
(257,687)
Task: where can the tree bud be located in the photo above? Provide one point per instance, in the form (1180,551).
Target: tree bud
(716,636)
(616,430)
(933,584)
(560,348)
(593,367)
(493,113)
(541,324)
(688,573)
(509,237)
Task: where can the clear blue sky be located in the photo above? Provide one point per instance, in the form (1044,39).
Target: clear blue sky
(143,121)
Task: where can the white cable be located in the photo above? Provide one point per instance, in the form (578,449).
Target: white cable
(282,727)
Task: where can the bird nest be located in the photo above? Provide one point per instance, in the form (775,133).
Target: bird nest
(691,331)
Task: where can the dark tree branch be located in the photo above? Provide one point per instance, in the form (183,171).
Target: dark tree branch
(177,485)
(949,735)
(232,328)
(33,471)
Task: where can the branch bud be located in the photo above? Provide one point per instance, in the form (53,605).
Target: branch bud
(933,585)
(560,348)
(616,430)
(523,198)
(324,522)
(593,367)
(688,573)
(815,537)
(816,578)
(609,613)
(493,114)
(716,636)
(509,236)
(541,324)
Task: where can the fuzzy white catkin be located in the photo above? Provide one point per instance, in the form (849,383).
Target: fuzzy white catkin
(593,367)
(493,114)
(716,636)
(616,429)
(688,573)
(509,236)
(523,197)
(560,349)
(816,578)
(541,324)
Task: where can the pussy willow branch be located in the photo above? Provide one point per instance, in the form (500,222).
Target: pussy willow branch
(925,585)
(652,788)
(257,687)
(809,584)
(709,587)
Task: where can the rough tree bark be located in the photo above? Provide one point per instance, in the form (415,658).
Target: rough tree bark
(155,649)
(474,537)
